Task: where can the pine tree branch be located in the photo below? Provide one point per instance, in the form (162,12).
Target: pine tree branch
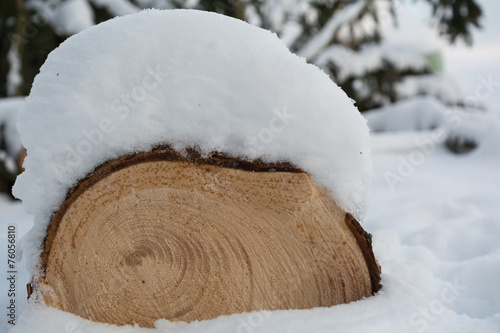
(317,43)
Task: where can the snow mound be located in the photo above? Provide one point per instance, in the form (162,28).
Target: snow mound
(441,86)
(416,114)
(424,113)
(188,79)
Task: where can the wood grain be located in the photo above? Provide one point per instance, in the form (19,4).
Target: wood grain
(149,238)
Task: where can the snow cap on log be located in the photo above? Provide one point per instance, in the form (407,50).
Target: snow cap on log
(186,79)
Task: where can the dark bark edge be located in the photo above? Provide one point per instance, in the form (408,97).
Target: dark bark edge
(364,240)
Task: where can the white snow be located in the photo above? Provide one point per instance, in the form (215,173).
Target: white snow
(356,64)
(8,162)
(425,113)
(416,114)
(12,214)
(66,17)
(189,79)
(117,7)
(283,17)
(14,77)
(443,87)
(9,108)
(323,37)
(348,62)
(73,16)
(436,236)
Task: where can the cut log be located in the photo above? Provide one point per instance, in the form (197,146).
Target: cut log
(164,235)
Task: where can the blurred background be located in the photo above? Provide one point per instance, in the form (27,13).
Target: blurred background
(406,63)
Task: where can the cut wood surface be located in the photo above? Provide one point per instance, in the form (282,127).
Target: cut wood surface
(160,235)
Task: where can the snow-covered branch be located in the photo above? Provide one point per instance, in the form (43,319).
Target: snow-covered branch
(324,36)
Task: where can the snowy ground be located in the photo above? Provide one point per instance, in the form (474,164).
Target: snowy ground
(434,219)
(12,215)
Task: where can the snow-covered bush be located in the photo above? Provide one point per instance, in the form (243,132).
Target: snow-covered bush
(462,128)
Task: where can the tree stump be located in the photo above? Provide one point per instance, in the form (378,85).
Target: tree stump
(177,236)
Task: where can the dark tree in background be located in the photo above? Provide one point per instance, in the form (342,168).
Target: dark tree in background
(456,18)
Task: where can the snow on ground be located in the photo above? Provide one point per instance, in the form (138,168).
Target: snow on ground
(434,217)
(436,235)
(12,214)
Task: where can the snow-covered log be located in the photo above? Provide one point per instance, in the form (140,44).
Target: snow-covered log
(164,235)
(185,165)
